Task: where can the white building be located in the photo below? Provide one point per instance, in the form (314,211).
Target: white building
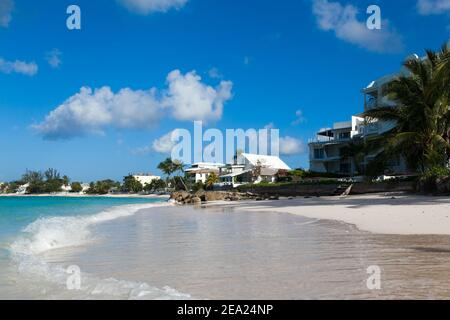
(326,150)
(22,189)
(252,168)
(67,188)
(146,178)
(199,172)
(85,187)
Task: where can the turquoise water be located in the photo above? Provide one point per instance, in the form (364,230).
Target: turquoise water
(33,227)
(18,212)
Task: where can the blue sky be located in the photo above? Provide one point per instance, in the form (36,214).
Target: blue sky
(296,64)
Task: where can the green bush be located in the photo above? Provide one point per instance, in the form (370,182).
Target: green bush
(428,181)
(436,172)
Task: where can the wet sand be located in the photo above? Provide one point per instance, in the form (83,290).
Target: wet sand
(223,252)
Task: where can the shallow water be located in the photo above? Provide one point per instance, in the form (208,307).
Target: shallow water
(205,253)
(184,252)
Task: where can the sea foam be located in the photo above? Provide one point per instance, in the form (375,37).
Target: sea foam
(52,233)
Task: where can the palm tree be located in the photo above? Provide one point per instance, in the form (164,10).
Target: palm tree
(444,75)
(169,166)
(420,116)
(179,166)
(166,167)
(211,180)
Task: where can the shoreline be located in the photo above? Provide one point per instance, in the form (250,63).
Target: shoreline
(390,214)
(71,195)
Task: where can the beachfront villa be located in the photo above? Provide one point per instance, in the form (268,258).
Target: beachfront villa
(252,168)
(22,189)
(199,172)
(327,149)
(246,168)
(146,178)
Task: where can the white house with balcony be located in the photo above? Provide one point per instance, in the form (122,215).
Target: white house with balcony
(326,150)
(252,168)
(199,172)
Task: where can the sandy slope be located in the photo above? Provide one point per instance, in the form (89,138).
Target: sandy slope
(377,213)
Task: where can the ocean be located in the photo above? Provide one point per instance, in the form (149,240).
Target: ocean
(121,248)
(31,227)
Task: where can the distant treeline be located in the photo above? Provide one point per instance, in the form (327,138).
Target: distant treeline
(51,181)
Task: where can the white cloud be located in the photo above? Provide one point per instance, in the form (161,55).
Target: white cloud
(429,7)
(299,118)
(26,68)
(342,20)
(93,111)
(53,58)
(149,6)
(190,99)
(6,8)
(164,144)
(290,146)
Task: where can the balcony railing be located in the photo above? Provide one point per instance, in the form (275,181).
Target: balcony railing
(319,140)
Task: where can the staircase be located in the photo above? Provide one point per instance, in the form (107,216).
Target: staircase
(343,190)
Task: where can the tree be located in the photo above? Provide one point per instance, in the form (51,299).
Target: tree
(102,187)
(66,180)
(32,177)
(155,185)
(76,187)
(52,174)
(169,166)
(131,184)
(420,117)
(211,180)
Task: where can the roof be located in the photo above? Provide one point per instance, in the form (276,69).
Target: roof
(236,174)
(202,170)
(266,161)
(208,164)
(268,172)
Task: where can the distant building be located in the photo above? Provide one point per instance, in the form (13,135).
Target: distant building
(85,187)
(146,178)
(252,168)
(199,172)
(23,189)
(67,188)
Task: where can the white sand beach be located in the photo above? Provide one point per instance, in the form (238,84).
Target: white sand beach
(402,214)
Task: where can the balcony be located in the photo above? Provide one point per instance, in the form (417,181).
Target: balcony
(327,140)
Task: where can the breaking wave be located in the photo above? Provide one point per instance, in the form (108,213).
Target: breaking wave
(51,233)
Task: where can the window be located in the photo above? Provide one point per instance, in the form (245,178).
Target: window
(344,135)
(345,167)
(319,154)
